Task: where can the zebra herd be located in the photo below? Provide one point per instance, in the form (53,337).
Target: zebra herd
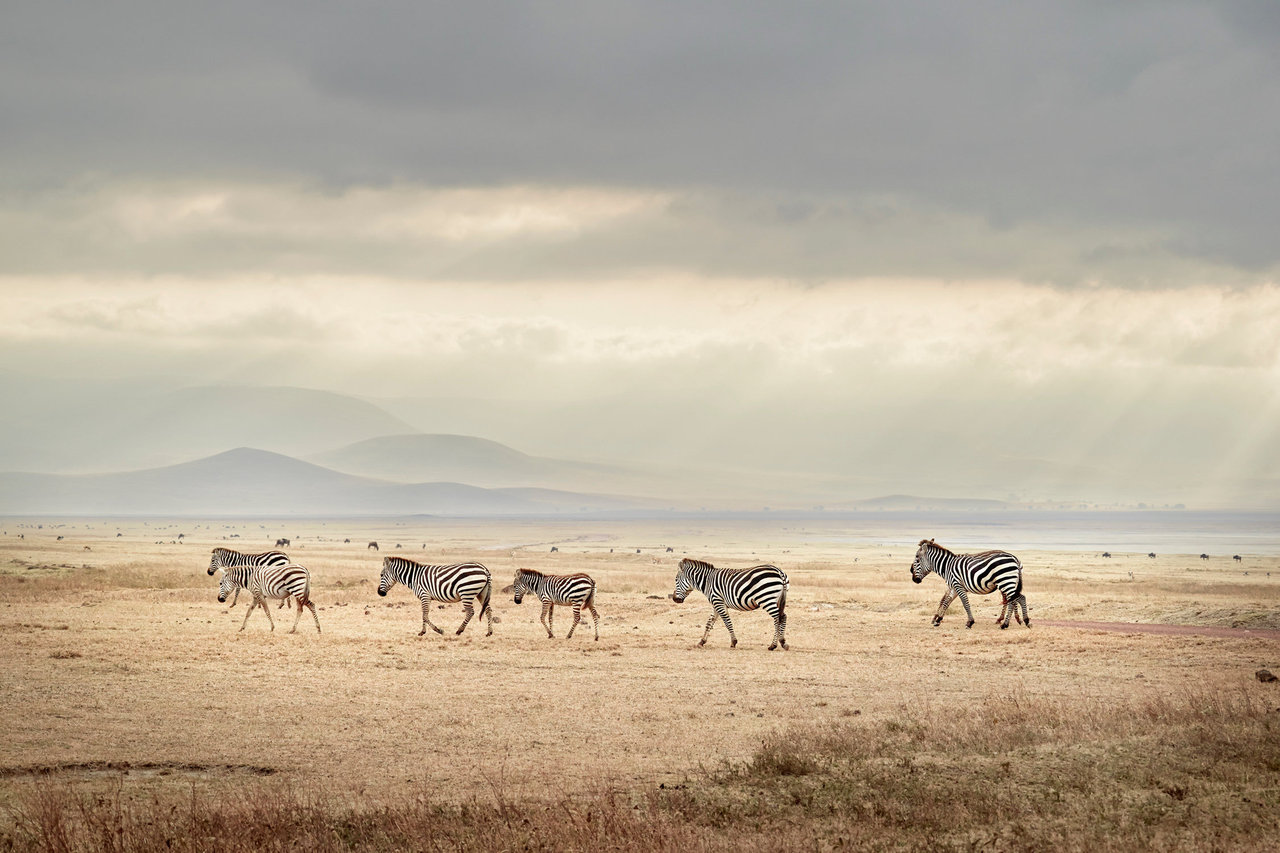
(271,575)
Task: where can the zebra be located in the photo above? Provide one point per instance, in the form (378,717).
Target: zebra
(578,590)
(466,582)
(966,573)
(274,581)
(225,558)
(737,589)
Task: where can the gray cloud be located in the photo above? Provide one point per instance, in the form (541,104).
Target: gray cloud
(1141,118)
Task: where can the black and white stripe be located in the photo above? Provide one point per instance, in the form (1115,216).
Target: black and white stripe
(275,581)
(226,558)
(466,582)
(965,573)
(763,587)
(576,590)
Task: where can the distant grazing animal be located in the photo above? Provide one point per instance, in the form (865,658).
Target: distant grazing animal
(183,535)
(283,543)
(59,538)
(275,581)
(759,587)
(225,558)
(965,573)
(397,545)
(1204,556)
(469,583)
(554,549)
(373,545)
(1152,555)
(1236,557)
(346,541)
(671,550)
(576,590)
(1106,554)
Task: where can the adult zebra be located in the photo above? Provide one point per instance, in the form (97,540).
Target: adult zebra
(965,573)
(465,582)
(226,558)
(263,582)
(759,587)
(577,590)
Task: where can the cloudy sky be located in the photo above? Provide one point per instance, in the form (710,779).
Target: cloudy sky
(979,249)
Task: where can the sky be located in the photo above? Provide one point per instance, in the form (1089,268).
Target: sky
(974,249)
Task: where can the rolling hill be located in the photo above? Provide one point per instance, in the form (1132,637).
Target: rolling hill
(246,481)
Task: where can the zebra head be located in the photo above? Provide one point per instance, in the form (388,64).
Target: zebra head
(520,585)
(388,578)
(683,585)
(923,563)
(215,562)
(226,586)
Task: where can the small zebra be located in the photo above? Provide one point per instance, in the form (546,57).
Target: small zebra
(466,582)
(578,590)
(965,573)
(226,558)
(763,587)
(263,582)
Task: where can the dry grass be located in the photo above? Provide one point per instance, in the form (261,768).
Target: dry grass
(135,713)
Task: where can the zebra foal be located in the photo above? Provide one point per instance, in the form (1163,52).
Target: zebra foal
(965,573)
(576,590)
(466,582)
(759,587)
(263,582)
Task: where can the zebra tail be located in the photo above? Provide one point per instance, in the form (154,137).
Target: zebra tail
(484,596)
(782,602)
(591,596)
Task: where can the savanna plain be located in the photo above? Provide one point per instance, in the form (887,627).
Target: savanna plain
(137,716)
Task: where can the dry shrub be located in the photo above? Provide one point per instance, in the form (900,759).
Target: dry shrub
(1195,771)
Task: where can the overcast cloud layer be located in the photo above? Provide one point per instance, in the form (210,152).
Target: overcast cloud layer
(760,235)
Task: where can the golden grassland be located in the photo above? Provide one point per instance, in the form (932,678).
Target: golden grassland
(137,716)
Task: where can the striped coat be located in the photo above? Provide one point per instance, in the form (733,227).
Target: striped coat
(466,582)
(264,582)
(764,587)
(226,558)
(965,573)
(576,590)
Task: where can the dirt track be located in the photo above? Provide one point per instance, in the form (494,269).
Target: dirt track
(1151,628)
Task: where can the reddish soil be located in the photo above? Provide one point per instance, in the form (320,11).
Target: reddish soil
(1151,628)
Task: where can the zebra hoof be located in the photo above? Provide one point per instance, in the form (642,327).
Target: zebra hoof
(969,624)
(1004,625)
(438,630)
(785,647)
(1027,623)
(423,631)
(774,646)
(734,644)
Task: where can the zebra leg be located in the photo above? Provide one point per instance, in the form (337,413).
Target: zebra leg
(267,610)
(542,619)
(234,598)
(252,604)
(577,617)
(710,622)
(724,614)
(595,617)
(468,610)
(314,615)
(1026,620)
(964,599)
(1004,605)
(298,616)
(942,606)
(426,618)
(551,614)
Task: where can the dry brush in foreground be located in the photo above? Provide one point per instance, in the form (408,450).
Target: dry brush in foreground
(1199,771)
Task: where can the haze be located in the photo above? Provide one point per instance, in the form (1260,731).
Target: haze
(831,251)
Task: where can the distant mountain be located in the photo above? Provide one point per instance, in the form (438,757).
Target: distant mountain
(462,458)
(256,482)
(115,429)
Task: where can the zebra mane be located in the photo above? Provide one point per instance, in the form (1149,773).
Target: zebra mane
(931,543)
(696,564)
(531,572)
